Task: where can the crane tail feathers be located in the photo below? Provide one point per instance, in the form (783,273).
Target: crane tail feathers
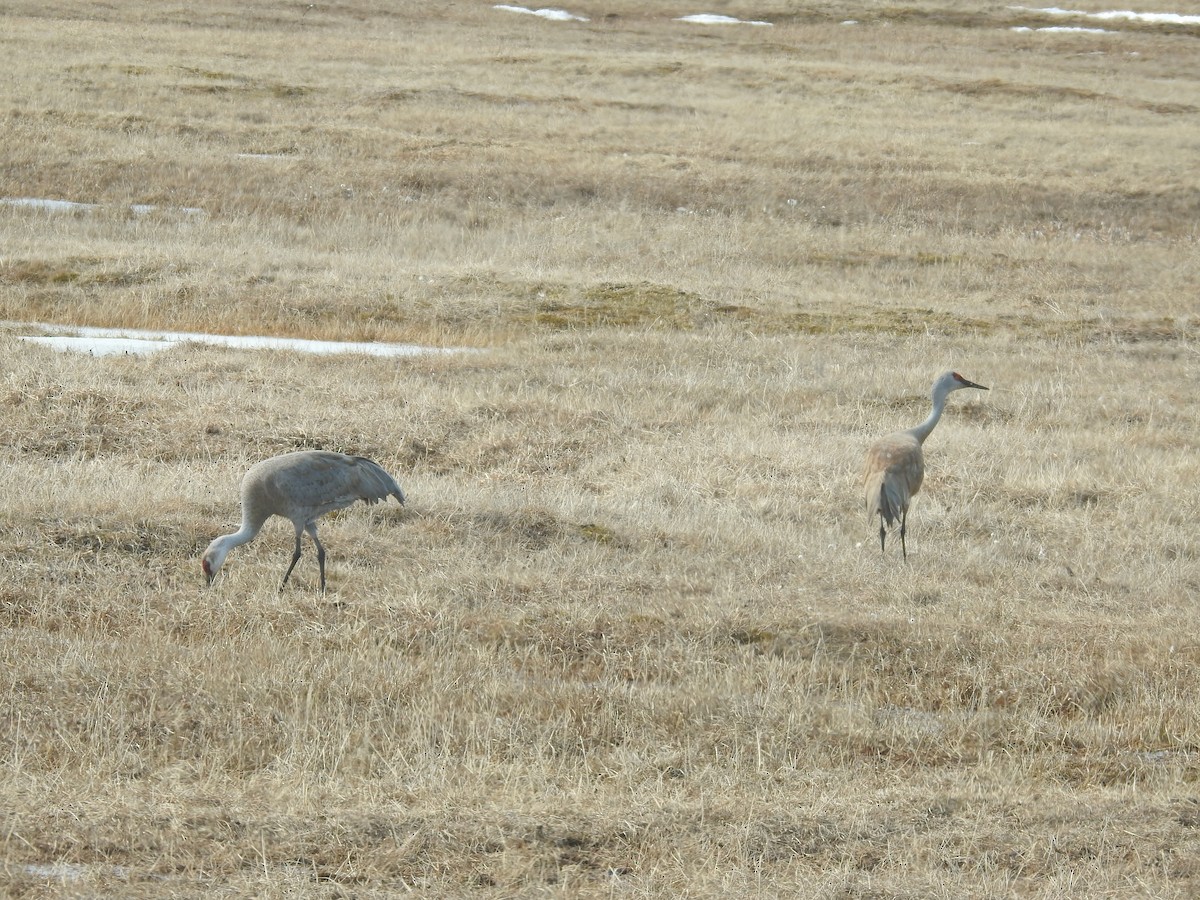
(374,483)
(883,498)
(875,495)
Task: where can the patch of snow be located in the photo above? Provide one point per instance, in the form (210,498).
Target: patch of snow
(66,871)
(554,15)
(1154,18)
(141,209)
(60,206)
(1062,29)
(1111,15)
(100,346)
(131,342)
(714,19)
(47,205)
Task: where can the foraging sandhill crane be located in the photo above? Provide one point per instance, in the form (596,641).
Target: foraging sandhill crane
(896,465)
(301,486)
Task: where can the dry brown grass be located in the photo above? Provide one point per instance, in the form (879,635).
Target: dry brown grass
(631,636)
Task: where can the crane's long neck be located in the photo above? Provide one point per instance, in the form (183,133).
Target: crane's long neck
(214,556)
(244,535)
(923,430)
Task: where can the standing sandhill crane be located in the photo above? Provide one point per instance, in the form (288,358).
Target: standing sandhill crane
(301,486)
(896,466)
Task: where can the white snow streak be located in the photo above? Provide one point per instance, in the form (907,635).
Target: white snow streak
(554,15)
(67,206)
(1116,15)
(118,341)
(713,19)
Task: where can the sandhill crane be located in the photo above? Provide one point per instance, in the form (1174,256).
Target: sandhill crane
(301,486)
(896,466)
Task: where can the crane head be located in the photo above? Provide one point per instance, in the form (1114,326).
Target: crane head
(214,556)
(961,382)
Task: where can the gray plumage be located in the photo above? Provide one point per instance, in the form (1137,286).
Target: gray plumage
(301,486)
(896,464)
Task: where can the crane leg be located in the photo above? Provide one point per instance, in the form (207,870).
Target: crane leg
(295,559)
(882,535)
(311,528)
(903,520)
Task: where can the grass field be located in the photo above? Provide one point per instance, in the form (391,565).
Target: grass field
(632,636)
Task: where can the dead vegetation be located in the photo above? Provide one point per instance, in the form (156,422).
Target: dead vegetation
(632,635)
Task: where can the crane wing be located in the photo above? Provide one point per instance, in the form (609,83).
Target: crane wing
(334,481)
(307,484)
